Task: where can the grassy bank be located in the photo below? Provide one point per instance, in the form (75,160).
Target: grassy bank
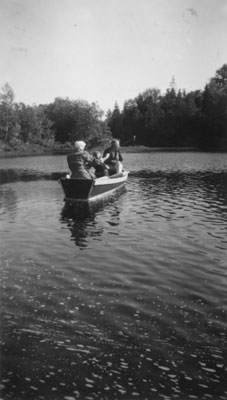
(58,148)
(42,152)
(31,149)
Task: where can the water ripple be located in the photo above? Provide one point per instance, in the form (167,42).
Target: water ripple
(118,299)
(14,175)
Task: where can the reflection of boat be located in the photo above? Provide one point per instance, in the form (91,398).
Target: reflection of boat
(92,189)
(83,221)
(80,219)
(80,211)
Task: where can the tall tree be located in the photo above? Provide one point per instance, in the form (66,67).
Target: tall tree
(130,122)
(219,81)
(75,120)
(7,121)
(214,112)
(115,122)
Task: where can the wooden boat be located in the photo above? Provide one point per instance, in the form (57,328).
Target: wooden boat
(92,189)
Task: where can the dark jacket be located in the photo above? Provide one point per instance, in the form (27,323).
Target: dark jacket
(101,168)
(115,155)
(78,164)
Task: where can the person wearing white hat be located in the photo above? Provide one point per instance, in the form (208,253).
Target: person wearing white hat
(80,162)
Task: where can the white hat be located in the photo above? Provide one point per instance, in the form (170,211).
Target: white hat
(79,145)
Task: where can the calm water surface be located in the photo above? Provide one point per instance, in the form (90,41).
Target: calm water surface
(125,299)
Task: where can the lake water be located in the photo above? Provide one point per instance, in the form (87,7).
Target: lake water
(125,299)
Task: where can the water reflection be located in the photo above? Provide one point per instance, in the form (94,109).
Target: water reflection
(140,313)
(210,186)
(8,200)
(25,174)
(81,218)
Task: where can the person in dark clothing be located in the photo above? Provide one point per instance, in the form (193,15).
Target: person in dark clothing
(101,169)
(80,162)
(114,159)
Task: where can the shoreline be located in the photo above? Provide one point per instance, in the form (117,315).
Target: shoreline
(32,152)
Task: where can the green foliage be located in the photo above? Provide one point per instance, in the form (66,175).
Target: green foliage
(115,122)
(7,115)
(62,121)
(219,82)
(75,120)
(214,111)
(177,119)
(195,119)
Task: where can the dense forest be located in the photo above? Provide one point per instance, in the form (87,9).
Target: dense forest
(197,119)
(56,125)
(175,119)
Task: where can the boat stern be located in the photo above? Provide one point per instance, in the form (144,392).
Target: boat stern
(76,189)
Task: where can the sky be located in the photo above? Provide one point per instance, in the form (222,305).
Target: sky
(108,51)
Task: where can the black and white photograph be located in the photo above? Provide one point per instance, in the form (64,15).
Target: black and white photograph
(113,200)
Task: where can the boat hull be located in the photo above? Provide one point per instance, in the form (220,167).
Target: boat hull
(91,189)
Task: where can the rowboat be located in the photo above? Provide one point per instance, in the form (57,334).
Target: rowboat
(92,189)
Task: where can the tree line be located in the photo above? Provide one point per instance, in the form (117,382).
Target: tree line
(175,119)
(62,121)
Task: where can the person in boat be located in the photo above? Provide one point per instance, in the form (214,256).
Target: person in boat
(114,158)
(80,162)
(98,163)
